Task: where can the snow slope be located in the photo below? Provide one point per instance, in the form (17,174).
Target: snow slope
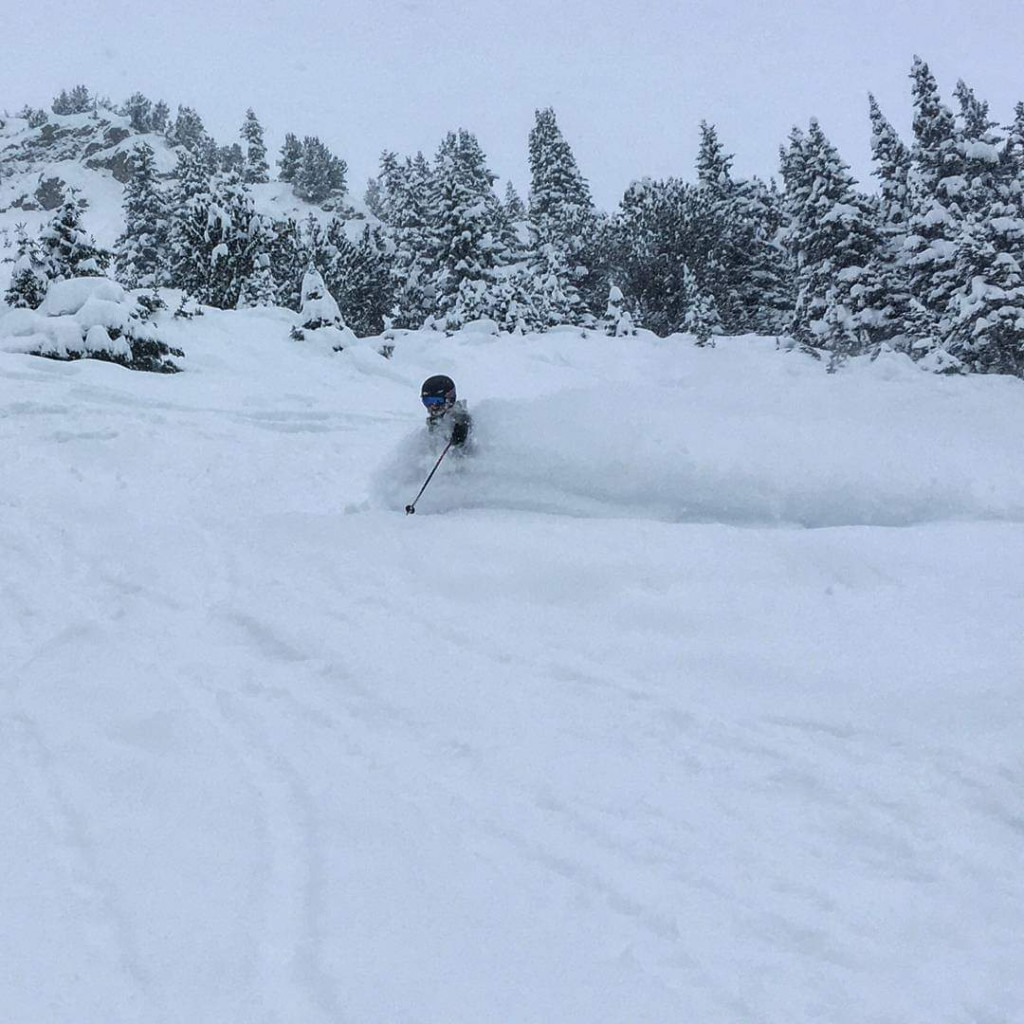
(693,694)
(79,150)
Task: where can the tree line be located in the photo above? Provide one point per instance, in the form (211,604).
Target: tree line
(929,264)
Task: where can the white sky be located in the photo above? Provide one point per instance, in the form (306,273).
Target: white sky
(629,81)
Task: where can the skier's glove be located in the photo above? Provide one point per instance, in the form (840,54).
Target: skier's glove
(459,433)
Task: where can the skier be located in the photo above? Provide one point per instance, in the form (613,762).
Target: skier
(444,412)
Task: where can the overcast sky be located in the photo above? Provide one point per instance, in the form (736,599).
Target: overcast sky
(630,81)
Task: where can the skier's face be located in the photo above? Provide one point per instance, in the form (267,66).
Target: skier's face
(435,405)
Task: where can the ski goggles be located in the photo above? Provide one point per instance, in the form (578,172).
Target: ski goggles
(433,401)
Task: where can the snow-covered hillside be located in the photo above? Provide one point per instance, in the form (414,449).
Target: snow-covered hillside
(88,154)
(692,693)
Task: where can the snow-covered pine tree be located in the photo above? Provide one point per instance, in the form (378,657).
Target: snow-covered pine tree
(892,161)
(77,101)
(231,159)
(837,245)
(257,170)
(768,289)
(68,248)
(661,228)
(464,236)
(562,221)
(515,208)
(372,198)
(387,188)
(188,255)
(936,218)
(750,282)
(210,153)
(407,196)
(291,158)
(232,241)
(259,288)
(320,177)
(893,166)
(617,322)
(362,282)
(139,110)
(700,313)
(140,251)
(319,308)
(187,130)
(986,313)
(32,273)
(283,244)
(987,167)
(516,301)
(159,117)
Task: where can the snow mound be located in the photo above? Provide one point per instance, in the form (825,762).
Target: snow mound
(87,317)
(64,297)
(857,455)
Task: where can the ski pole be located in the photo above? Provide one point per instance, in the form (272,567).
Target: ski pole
(410,509)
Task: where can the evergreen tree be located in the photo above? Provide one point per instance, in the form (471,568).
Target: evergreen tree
(935,219)
(291,158)
(987,167)
(372,198)
(407,194)
(515,209)
(140,250)
(889,283)
(257,170)
(321,175)
(617,319)
(139,111)
(78,101)
(985,316)
(700,313)
(259,288)
(319,308)
(187,130)
(516,302)
(386,189)
(231,243)
(892,168)
(68,248)
(749,285)
(562,220)
(189,263)
(714,165)
(362,283)
(987,313)
(32,273)
(159,117)
(283,246)
(231,159)
(840,294)
(664,231)
(210,153)
(465,241)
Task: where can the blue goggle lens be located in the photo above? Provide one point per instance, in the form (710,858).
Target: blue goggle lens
(429,400)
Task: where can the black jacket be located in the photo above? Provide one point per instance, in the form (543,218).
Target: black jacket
(455,422)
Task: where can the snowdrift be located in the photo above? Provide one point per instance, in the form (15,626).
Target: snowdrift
(765,439)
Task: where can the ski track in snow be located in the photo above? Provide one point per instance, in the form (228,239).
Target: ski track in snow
(267,761)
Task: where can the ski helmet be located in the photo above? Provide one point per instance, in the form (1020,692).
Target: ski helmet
(438,393)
